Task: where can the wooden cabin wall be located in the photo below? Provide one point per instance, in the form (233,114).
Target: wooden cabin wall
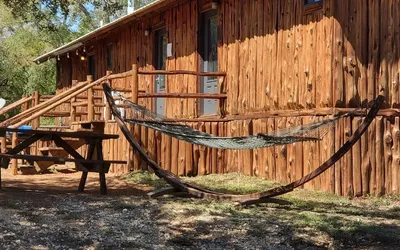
(277,57)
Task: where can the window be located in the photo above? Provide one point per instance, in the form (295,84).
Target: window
(110,49)
(310,2)
(91,67)
(160,52)
(311,6)
(59,74)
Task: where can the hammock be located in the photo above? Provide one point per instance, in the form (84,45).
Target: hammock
(139,115)
(179,185)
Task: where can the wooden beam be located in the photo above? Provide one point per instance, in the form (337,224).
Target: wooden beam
(181,72)
(183,95)
(15,105)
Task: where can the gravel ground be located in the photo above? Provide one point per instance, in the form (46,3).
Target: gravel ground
(46,212)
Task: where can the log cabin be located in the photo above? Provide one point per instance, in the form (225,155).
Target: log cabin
(266,65)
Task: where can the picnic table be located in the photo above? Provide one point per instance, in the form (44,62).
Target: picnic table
(93,162)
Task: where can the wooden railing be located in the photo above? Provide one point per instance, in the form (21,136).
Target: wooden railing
(221,96)
(23,101)
(82,94)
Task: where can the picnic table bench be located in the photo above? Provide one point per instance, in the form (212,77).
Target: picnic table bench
(93,162)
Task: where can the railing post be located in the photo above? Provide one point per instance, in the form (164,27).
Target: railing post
(36,100)
(135,83)
(14,162)
(136,129)
(73,108)
(90,100)
(221,102)
(107,116)
(24,106)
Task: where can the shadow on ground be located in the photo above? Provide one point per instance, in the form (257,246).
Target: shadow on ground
(46,212)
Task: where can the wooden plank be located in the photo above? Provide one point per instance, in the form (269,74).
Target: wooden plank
(373,50)
(396,157)
(208,151)
(291,155)
(365,163)
(348,188)
(380,160)
(214,152)
(260,35)
(297,169)
(182,157)
(202,154)
(387,147)
(246,155)
(270,153)
(337,170)
(257,153)
(316,159)
(356,164)
(189,166)
(193,58)
(174,155)
(221,154)
(281,153)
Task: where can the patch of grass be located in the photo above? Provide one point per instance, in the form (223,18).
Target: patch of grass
(145,178)
(232,183)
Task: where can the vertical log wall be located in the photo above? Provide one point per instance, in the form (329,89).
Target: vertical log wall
(278,56)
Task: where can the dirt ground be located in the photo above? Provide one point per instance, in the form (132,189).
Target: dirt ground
(46,212)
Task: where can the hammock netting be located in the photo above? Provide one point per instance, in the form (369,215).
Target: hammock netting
(139,115)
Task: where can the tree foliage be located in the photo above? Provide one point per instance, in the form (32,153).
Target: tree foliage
(29,28)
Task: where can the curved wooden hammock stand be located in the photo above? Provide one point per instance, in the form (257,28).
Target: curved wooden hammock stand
(179,185)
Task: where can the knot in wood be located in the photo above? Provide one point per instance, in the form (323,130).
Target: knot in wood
(353,62)
(388,139)
(397,135)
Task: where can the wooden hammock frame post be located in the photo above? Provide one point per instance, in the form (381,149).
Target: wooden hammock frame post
(180,186)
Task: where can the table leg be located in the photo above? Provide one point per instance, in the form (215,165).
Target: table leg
(103,184)
(82,182)
(102,174)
